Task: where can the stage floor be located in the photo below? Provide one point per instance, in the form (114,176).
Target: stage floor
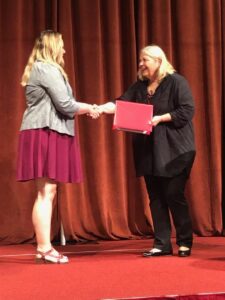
(112,270)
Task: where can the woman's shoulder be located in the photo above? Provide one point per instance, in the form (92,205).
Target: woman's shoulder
(176,77)
(44,67)
(178,81)
(45,73)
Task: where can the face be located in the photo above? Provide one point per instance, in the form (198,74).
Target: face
(61,53)
(148,66)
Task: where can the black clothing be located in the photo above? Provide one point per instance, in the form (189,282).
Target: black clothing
(170,148)
(165,157)
(168,194)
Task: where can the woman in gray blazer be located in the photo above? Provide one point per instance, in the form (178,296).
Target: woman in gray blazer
(48,151)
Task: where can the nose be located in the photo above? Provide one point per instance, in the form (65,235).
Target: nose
(140,63)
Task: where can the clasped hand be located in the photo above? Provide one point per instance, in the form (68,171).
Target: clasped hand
(95,111)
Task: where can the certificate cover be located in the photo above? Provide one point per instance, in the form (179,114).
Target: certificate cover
(132,116)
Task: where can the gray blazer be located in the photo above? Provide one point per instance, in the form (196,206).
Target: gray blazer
(50,101)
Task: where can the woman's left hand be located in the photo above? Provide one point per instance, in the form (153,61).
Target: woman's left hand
(155,120)
(158,119)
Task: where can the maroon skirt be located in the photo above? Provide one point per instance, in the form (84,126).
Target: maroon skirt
(47,153)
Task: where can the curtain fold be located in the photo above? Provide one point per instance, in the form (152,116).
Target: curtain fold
(102,41)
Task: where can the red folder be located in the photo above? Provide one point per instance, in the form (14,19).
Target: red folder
(132,116)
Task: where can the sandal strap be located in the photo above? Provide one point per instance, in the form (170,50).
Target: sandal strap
(50,253)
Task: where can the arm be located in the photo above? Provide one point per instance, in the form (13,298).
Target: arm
(108,108)
(53,82)
(163,118)
(184,103)
(183,106)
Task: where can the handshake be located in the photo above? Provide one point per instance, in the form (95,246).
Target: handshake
(95,111)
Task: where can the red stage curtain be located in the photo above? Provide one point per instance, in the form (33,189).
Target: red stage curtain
(102,41)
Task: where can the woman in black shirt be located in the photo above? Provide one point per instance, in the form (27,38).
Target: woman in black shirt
(166,156)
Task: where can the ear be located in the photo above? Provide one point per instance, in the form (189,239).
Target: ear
(159,61)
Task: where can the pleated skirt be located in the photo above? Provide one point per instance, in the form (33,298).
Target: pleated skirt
(47,153)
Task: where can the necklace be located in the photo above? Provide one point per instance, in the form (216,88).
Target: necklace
(152,88)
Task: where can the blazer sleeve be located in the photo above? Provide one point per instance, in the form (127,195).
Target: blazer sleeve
(55,85)
(184,103)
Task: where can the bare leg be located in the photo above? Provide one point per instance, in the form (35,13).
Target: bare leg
(42,212)
(41,216)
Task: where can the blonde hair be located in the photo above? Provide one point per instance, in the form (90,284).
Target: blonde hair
(156,52)
(47,49)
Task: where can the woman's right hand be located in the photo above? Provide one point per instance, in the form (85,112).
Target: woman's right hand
(94,111)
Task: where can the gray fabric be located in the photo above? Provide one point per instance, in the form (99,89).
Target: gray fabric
(50,101)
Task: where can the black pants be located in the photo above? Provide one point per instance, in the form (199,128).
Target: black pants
(167,194)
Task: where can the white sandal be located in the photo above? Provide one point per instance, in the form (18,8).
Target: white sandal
(51,256)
